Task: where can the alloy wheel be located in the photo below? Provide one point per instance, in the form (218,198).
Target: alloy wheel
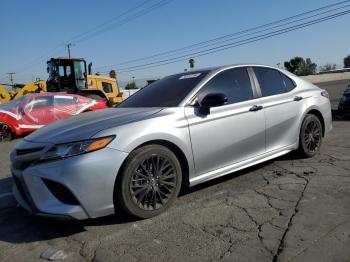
(312,135)
(153,182)
(5,133)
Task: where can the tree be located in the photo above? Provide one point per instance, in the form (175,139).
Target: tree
(347,62)
(328,67)
(310,68)
(300,67)
(131,85)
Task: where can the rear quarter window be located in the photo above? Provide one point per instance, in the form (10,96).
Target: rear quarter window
(288,83)
(270,81)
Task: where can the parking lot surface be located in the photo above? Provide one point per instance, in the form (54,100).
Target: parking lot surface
(287,209)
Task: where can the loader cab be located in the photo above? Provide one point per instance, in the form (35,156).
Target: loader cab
(66,75)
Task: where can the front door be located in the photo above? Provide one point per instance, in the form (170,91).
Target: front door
(230,133)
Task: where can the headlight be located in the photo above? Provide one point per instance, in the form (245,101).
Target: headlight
(76,148)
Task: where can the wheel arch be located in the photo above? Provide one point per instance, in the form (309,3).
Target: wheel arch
(173,148)
(12,123)
(318,114)
(169,145)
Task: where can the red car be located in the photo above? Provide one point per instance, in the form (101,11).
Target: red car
(28,113)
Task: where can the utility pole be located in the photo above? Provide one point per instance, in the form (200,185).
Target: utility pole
(11,77)
(69,45)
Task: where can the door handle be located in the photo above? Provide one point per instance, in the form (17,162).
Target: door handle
(255,108)
(298,98)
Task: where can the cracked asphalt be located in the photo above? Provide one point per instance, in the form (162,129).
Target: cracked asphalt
(288,209)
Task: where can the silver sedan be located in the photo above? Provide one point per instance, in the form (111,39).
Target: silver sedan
(179,131)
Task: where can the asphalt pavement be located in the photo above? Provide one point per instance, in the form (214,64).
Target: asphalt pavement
(288,209)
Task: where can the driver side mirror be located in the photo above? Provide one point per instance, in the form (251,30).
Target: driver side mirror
(212,100)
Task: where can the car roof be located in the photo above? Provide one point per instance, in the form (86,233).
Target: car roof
(235,65)
(52,94)
(215,69)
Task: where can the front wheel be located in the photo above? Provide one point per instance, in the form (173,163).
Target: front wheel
(5,133)
(310,139)
(150,181)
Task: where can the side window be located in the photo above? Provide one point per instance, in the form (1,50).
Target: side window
(234,83)
(61,70)
(107,87)
(68,71)
(288,83)
(61,100)
(39,102)
(270,81)
(65,71)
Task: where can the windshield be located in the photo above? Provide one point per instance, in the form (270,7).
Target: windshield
(166,92)
(13,104)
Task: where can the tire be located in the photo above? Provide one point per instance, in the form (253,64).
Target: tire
(310,139)
(5,133)
(150,181)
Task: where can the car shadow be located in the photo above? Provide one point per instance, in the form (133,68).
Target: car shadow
(17,226)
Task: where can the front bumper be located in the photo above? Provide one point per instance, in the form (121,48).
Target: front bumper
(89,178)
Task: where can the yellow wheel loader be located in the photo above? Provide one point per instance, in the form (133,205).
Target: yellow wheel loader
(70,75)
(32,87)
(4,95)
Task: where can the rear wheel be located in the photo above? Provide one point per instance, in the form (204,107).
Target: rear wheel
(5,133)
(310,136)
(150,181)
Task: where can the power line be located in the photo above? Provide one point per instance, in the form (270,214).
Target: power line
(125,20)
(228,37)
(109,21)
(90,33)
(234,44)
(221,48)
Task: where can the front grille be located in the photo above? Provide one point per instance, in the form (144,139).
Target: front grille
(62,193)
(21,152)
(23,157)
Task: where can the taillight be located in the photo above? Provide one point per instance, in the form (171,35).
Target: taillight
(324,93)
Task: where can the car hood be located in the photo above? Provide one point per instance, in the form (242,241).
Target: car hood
(86,125)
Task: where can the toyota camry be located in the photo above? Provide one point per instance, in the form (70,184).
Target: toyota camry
(182,130)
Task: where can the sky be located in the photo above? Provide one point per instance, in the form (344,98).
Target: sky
(33,31)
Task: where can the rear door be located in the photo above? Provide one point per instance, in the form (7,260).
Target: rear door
(230,133)
(283,107)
